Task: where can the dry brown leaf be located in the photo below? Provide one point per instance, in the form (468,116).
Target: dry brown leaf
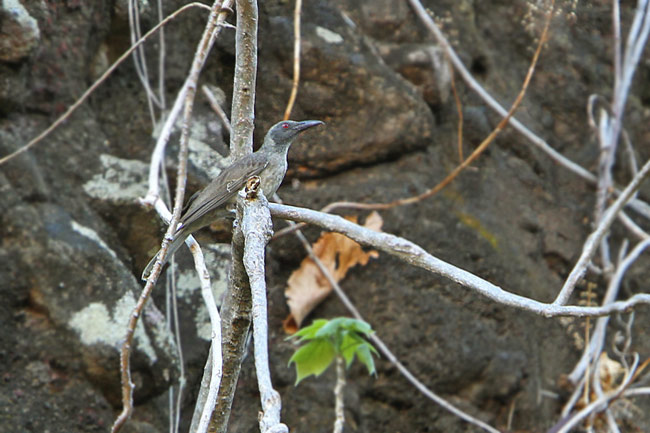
(307,287)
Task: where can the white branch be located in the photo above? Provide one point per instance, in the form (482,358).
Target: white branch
(215,348)
(257,229)
(339,405)
(416,256)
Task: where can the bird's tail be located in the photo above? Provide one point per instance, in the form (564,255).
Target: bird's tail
(176,243)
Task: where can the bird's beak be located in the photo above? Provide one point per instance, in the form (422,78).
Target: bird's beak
(306,124)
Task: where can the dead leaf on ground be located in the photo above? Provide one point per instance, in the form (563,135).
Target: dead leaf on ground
(307,286)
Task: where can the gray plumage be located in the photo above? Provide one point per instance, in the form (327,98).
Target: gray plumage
(216,199)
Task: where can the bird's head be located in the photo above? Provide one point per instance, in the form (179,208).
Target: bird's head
(283,133)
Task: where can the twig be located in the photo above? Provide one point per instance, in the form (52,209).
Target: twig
(139,60)
(257,228)
(97,83)
(296,60)
(161,60)
(416,256)
(217,108)
(172,306)
(459,111)
(474,85)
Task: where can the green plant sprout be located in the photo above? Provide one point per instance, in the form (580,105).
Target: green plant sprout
(341,339)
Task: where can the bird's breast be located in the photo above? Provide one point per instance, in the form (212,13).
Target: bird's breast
(272,177)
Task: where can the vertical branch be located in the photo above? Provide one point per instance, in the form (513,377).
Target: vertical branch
(235,322)
(257,229)
(339,408)
(242,118)
(215,358)
(236,310)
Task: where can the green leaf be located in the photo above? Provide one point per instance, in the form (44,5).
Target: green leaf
(309,332)
(344,323)
(331,328)
(360,326)
(365,356)
(313,358)
(349,345)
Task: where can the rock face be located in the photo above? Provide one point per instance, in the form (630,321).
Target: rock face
(19,34)
(73,238)
(347,85)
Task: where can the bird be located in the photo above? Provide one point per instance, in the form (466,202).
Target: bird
(216,200)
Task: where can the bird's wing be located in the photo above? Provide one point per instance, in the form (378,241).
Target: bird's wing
(222,188)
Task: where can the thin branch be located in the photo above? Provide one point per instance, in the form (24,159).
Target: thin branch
(459,110)
(97,83)
(296,60)
(161,59)
(476,153)
(464,163)
(474,85)
(215,348)
(416,256)
(139,59)
(214,103)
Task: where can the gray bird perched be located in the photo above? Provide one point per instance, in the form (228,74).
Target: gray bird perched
(216,199)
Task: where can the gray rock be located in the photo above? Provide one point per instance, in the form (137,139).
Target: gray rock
(19,31)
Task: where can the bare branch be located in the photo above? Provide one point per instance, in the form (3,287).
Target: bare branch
(416,256)
(214,103)
(236,310)
(235,322)
(215,358)
(597,341)
(242,115)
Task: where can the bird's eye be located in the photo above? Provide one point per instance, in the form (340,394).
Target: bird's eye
(285,125)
